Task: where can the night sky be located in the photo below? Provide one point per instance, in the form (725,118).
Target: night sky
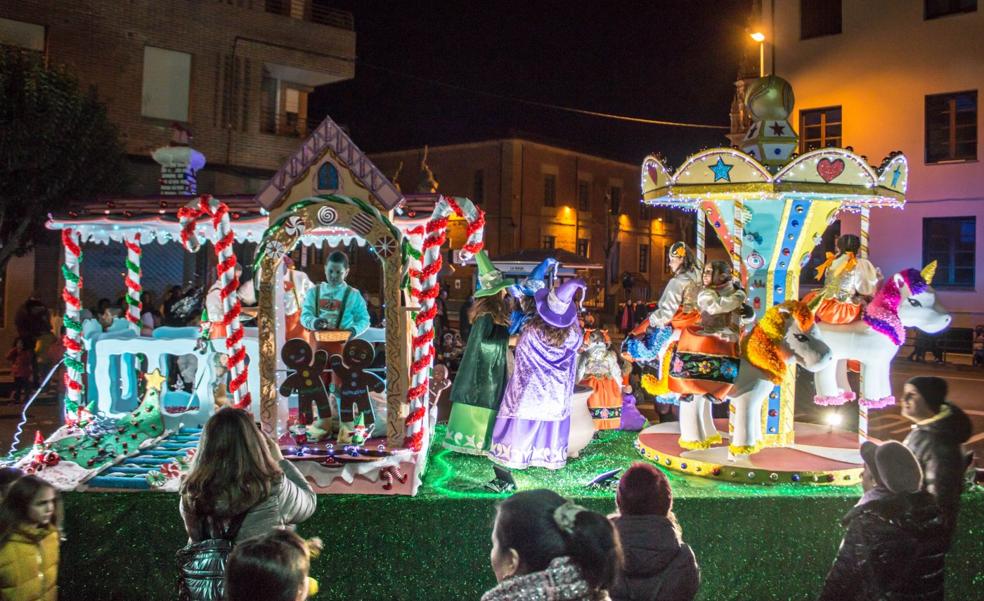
(670,60)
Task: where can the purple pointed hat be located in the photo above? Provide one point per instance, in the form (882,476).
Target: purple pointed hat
(556,306)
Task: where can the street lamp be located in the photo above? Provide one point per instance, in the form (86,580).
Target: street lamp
(759,37)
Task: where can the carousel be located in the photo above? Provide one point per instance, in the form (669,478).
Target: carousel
(769,207)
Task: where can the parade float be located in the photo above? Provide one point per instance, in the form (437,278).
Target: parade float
(769,207)
(328,195)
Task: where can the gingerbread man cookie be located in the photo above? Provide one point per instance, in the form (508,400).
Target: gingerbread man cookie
(306,379)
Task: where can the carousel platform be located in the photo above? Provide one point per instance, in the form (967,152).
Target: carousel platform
(821,455)
(752,541)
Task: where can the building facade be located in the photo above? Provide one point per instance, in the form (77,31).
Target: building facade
(538,195)
(235,73)
(887,75)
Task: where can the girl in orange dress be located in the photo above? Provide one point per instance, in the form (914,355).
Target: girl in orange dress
(598,368)
(848,281)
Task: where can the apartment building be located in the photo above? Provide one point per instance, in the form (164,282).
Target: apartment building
(885,75)
(539,195)
(235,73)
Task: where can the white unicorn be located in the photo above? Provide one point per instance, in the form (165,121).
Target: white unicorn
(786,333)
(907,299)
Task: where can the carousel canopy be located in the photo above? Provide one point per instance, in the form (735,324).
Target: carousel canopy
(824,174)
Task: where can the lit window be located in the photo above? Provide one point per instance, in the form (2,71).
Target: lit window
(166,84)
(951,127)
(550,242)
(283,107)
(820,128)
(643,258)
(582,247)
(951,242)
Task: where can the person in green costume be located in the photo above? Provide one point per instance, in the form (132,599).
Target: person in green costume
(481,378)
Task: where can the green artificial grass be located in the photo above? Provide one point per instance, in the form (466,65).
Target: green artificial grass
(752,542)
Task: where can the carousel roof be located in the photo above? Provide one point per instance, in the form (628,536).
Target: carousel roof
(823,174)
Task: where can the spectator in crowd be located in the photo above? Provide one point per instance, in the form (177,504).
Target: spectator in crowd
(29,541)
(894,545)
(150,316)
(272,567)
(21,358)
(238,470)
(106,321)
(939,430)
(542,541)
(659,566)
(978,359)
(32,321)
(8,475)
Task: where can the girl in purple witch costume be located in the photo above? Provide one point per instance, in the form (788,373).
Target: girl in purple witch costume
(534,419)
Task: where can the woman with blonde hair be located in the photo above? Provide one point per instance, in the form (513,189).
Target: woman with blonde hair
(240,475)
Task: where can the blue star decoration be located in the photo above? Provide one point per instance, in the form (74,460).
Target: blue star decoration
(721,170)
(778,129)
(896,174)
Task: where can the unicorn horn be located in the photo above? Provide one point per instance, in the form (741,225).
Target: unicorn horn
(928,272)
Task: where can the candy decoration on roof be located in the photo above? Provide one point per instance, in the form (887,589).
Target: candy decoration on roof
(218,212)
(425,264)
(132,280)
(72,340)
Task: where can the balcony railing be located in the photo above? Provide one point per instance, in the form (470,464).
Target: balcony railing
(314,13)
(286,124)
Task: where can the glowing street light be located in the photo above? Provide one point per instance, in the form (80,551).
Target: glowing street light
(759,37)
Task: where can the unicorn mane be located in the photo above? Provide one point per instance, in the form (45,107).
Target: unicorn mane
(882,313)
(761,347)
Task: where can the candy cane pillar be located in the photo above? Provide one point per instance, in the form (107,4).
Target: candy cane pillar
(226,268)
(72,340)
(862,410)
(424,289)
(701,236)
(134,307)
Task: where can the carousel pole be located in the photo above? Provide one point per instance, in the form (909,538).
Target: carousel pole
(737,237)
(134,307)
(862,410)
(701,236)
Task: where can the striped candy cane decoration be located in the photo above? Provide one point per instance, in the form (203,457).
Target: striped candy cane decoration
(72,340)
(132,280)
(226,267)
(701,236)
(425,287)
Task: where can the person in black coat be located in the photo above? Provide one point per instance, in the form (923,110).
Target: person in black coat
(894,546)
(658,565)
(939,430)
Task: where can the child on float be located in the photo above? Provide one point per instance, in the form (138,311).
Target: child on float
(546,547)
(29,540)
(534,420)
(848,282)
(651,340)
(658,565)
(598,368)
(481,378)
(705,364)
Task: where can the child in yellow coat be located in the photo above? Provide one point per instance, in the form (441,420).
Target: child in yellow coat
(29,541)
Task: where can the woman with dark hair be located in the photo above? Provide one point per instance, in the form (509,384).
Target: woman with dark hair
(658,566)
(272,567)
(29,541)
(546,547)
(847,281)
(239,471)
(477,390)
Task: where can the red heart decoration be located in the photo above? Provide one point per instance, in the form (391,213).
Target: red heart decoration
(829,170)
(653,173)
